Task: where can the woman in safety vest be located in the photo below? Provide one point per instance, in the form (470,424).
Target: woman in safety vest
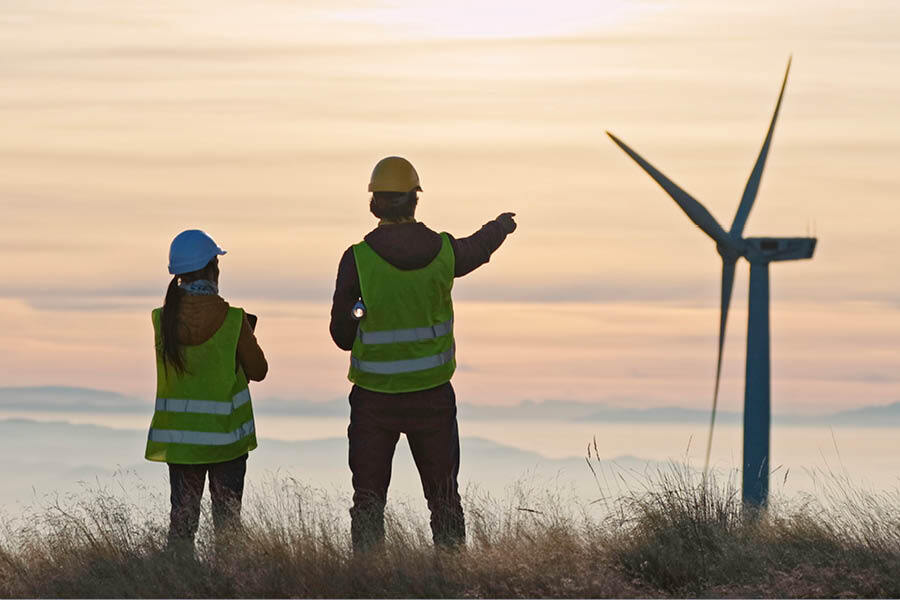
(205,354)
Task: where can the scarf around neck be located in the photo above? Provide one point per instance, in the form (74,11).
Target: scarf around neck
(200,287)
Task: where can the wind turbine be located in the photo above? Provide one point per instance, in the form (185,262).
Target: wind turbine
(759,252)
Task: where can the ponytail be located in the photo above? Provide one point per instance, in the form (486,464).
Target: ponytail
(171,350)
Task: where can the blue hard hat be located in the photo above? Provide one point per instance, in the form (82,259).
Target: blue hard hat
(192,250)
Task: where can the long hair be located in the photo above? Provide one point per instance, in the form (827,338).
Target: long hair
(172,352)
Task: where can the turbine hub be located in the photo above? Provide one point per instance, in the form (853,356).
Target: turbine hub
(731,253)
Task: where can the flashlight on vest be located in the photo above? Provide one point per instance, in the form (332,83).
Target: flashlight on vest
(359,310)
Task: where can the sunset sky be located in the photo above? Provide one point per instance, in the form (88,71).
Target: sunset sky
(125,122)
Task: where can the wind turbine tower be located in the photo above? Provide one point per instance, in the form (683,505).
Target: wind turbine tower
(759,252)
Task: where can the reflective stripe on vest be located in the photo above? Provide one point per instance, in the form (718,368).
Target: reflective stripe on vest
(204,407)
(202,438)
(416,334)
(393,367)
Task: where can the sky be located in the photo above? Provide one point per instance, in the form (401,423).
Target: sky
(125,122)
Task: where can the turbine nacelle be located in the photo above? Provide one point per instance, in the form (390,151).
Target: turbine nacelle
(770,249)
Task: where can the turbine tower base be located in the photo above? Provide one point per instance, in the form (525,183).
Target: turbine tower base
(757,391)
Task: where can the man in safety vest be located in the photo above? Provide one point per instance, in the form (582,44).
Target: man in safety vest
(392,309)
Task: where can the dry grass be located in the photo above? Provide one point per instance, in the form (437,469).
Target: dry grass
(675,538)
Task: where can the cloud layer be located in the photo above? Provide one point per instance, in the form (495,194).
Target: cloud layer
(126,122)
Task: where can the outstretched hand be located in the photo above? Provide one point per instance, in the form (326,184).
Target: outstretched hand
(507,222)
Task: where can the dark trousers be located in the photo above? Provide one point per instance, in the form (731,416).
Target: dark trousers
(428,418)
(226,488)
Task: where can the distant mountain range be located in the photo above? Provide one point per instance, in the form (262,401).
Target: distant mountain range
(64,459)
(868,416)
(67,399)
(71,399)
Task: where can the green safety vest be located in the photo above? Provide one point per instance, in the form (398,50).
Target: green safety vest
(405,341)
(203,415)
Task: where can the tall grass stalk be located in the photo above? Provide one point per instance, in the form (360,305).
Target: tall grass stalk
(677,535)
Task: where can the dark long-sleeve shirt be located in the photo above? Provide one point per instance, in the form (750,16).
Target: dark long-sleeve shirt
(407,246)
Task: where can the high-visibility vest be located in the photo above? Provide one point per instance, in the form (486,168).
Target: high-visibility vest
(405,341)
(203,415)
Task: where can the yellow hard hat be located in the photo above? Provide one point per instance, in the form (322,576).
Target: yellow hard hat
(394,174)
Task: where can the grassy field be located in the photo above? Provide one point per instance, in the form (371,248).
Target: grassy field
(677,537)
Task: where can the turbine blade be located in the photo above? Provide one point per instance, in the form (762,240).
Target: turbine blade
(752,187)
(701,217)
(728,267)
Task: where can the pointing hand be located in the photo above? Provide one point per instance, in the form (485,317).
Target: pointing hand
(507,222)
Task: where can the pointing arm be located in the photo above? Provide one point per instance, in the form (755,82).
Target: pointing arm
(475,250)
